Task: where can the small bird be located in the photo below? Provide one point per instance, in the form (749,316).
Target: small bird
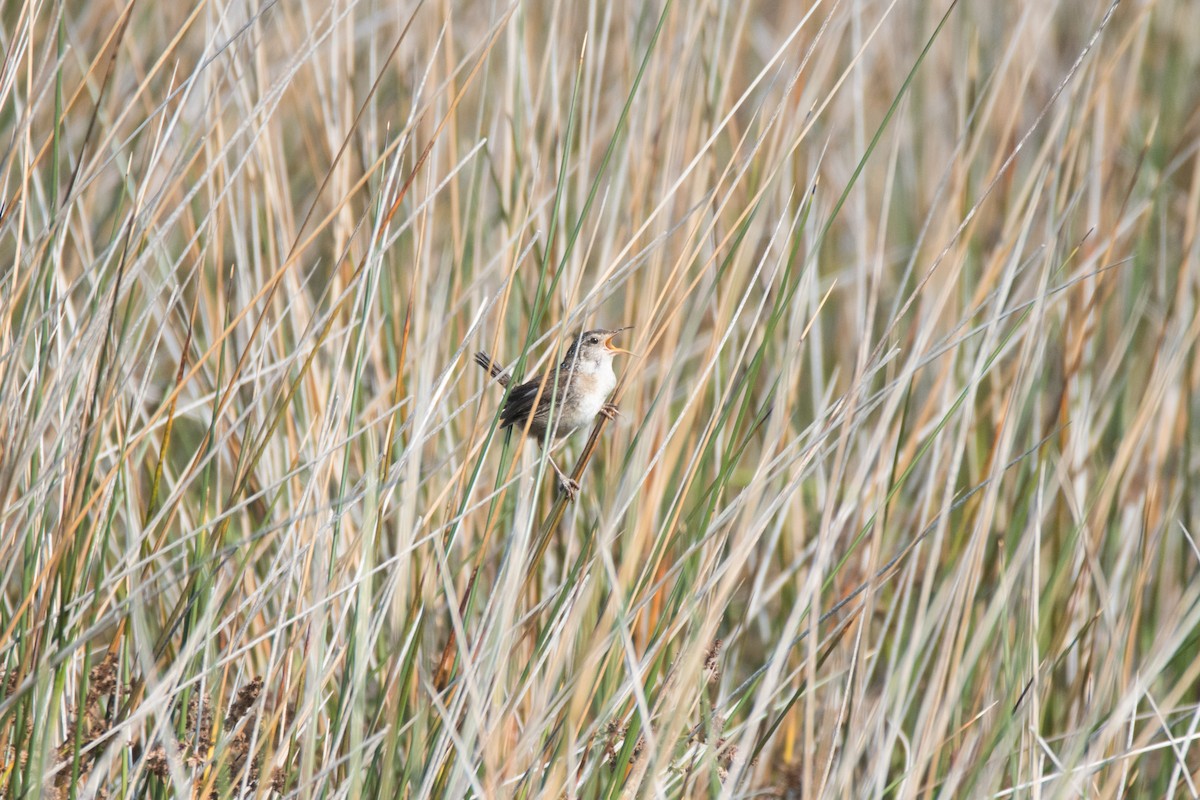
(575,392)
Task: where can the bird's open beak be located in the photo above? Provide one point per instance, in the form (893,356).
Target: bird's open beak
(608,343)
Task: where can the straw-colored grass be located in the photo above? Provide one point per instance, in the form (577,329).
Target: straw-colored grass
(900,503)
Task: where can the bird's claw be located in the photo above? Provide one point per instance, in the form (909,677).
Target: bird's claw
(570,487)
(610,411)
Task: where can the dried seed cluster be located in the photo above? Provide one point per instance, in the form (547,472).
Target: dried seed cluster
(94,721)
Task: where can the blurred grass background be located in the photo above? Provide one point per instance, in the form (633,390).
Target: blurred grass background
(900,501)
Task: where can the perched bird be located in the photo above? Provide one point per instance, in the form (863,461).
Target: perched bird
(573,393)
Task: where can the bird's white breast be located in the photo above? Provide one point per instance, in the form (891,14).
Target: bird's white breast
(595,384)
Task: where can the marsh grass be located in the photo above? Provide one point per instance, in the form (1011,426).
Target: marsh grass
(900,501)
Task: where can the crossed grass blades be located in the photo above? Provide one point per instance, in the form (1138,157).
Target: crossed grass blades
(901,501)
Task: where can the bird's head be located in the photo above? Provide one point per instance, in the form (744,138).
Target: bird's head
(593,348)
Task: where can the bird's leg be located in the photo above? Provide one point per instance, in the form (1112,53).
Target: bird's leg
(569,485)
(610,411)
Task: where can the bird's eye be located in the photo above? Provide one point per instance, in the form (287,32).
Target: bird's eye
(595,340)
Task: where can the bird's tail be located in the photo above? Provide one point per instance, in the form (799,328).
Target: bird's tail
(493,369)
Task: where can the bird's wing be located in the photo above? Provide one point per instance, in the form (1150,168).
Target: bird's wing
(520,402)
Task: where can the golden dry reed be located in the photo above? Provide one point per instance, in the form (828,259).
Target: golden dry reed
(900,500)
